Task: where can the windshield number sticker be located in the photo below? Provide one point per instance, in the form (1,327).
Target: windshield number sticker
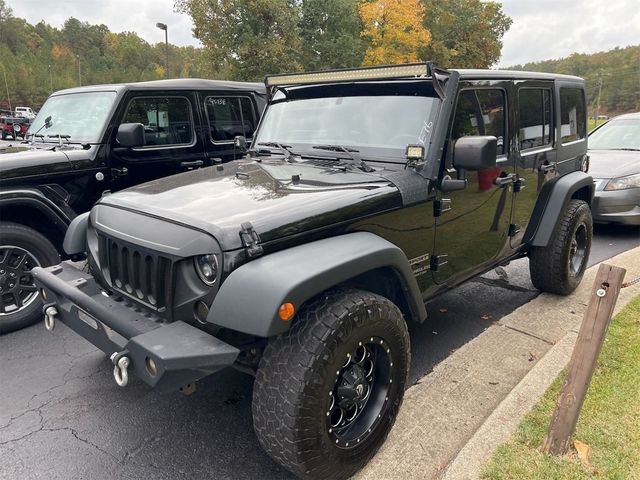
(425,132)
(218,101)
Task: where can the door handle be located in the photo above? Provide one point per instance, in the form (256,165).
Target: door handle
(193,164)
(547,168)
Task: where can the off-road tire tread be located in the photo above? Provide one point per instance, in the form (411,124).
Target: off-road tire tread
(286,368)
(547,265)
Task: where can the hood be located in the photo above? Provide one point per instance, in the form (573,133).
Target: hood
(613,163)
(218,200)
(32,161)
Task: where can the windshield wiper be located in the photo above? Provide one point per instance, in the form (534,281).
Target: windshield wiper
(351,153)
(629,149)
(285,149)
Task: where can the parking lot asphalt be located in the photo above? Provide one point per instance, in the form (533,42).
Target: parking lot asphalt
(62,415)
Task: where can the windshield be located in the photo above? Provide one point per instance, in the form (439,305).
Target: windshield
(82,116)
(374,125)
(622,134)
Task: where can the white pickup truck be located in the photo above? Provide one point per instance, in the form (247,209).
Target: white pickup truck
(25,112)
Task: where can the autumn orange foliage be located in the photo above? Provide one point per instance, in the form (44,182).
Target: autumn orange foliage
(395,31)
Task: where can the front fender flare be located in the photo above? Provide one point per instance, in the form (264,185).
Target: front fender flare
(249,299)
(35,198)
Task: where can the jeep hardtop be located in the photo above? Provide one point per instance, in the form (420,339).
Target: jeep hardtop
(365,193)
(102,138)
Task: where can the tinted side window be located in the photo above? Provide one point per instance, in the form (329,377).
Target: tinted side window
(536,121)
(229,117)
(167,121)
(481,112)
(572,115)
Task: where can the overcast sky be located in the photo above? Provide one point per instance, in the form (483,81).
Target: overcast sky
(541,30)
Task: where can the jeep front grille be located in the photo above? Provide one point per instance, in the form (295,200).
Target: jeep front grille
(139,274)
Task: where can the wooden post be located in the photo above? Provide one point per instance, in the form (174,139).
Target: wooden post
(583,360)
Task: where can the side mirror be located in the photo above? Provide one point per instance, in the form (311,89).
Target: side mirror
(475,153)
(47,122)
(240,142)
(130,135)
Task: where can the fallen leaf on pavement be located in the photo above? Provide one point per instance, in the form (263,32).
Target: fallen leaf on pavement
(486,317)
(532,356)
(584,452)
(443,310)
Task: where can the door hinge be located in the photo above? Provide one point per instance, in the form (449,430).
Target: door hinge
(513,229)
(436,261)
(250,240)
(441,206)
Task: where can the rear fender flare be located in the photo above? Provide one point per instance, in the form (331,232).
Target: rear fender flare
(249,299)
(552,200)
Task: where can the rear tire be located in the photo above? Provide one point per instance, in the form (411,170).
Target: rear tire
(344,363)
(21,248)
(559,267)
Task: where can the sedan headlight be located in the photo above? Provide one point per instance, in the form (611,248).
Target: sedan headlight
(207,268)
(622,183)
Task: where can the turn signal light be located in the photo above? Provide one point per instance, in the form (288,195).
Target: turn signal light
(286,311)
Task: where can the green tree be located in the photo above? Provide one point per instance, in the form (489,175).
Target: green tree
(247,38)
(330,32)
(465,33)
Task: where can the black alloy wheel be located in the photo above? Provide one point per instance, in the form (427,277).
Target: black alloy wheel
(17,287)
(358,399)
(21,249)
(578,249)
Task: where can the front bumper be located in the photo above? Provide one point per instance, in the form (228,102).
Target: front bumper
(164,355)
(617,206)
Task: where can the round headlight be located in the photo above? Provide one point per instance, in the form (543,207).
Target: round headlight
(207,268)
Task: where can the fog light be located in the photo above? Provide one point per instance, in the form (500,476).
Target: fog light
(152,368)
(201,311)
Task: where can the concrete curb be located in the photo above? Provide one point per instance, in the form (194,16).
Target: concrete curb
(454,419)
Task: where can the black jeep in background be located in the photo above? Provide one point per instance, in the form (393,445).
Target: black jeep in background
(89,140)
(366,193)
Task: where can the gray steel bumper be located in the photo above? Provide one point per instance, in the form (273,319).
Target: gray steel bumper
(164,355)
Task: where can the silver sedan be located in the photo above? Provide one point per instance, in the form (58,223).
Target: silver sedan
(614,153)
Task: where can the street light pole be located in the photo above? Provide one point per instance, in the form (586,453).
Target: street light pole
(79,77)
(6,84)
(163,26)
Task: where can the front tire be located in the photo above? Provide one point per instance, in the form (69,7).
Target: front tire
(559,267)
(328,391)
(21,249)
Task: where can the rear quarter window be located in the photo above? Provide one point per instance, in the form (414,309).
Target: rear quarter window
(573,121)
(535,118)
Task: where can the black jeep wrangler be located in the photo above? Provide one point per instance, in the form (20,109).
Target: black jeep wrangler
(366,192)
(89,140)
